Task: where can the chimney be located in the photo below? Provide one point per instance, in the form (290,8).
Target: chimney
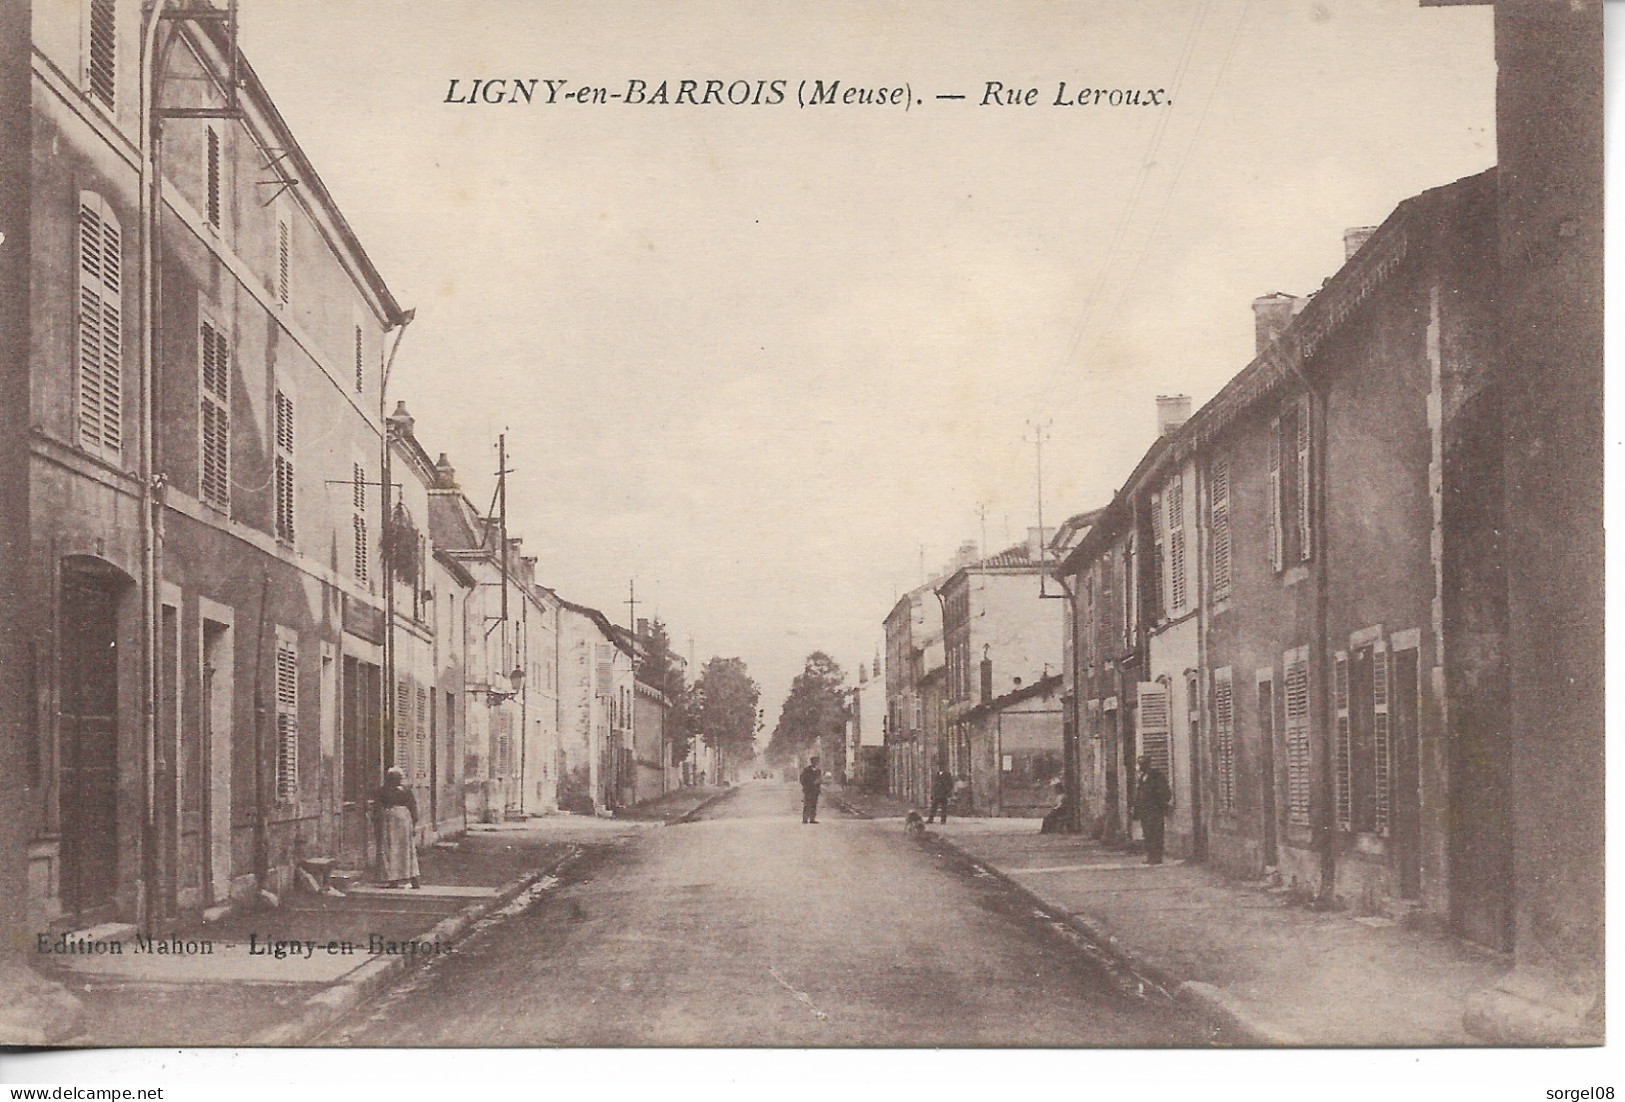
(643,626)
(1353,238)
(401,421)
(1173,410)
(987,677)
(1271,313)
(445,475)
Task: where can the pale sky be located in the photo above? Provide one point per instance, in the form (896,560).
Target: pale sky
(759,357)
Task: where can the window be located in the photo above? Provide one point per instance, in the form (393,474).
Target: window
(284,467)
(405,744)
(1345,742)
(420,737)
(1219,527)
(1177,589)
(1277,558)
(101,67)
(1224,739)
(1381,745)
(1306,539)
(1155,726)
(360,367)
(214,406)
(287,720)
(284,259)
(358,521)
(1297,736)
(1158,595)
(101,332)
(211,176)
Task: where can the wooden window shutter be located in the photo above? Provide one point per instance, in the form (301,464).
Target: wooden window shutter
(1382,743)
(1298,758)
(1224,737)
(284,261)
(211,198)
(1178,591)
(358,492)
(1219,526)
(284,467)
(1276,542)
(101,331)
(360,367)
(215,413)
(358,525)
(1345,748)
(101,64)
(1153,719)
(287,721)
(1158,565)
(1306,540)
(403,727)
(420,738)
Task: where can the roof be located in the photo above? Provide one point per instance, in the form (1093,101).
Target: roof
(1289,358)
(609,630)
(301,169)
(1044,686)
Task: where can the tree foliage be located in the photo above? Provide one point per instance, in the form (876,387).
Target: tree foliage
(724,707)
(815,709)
(661,669)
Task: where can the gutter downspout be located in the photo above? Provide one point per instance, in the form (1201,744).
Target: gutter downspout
(1317,678)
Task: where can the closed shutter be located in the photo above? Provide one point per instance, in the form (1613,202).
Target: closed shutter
(1224,738)
(284,467)
(1177,592)
(1297,738)
(284,261)
(1306,542)
(1382,744)
(1345,743)
(287,721)
(101,64)
(360,367)
(1219,527)
(215,414)
(403,728)
(101,331)
(1158,563)
(1276,542)
(211,196)
(1155,726)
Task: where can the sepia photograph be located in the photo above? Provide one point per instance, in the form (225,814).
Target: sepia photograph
(835,524)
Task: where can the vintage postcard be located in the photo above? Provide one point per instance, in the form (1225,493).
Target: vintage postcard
(732,524)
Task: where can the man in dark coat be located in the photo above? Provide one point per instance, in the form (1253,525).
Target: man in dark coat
(812,779)
(1152,796)
(942,787)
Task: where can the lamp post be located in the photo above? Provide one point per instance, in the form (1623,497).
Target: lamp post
(386,483)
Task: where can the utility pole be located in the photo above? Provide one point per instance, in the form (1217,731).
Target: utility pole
(632,607)
(981,514)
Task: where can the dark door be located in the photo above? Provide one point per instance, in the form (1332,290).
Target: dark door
(1266,769)
(89,773)
(1407,824)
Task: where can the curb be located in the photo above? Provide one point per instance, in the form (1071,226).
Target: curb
(325,1007)
(693,814)
(1240,1023)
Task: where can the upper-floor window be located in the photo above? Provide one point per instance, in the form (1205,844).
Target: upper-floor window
(1178,589)
(284,467)
(284,259)
(360,365)
(1219,527)
(101,332)
(211,176)
(358,522)
(101,51)
(287,720)
(1291,486)
(214,414)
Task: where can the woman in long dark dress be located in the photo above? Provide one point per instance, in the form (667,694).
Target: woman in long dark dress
(398,816)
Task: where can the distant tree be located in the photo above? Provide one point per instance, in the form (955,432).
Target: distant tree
(815,709)
(660,668)
(724,708)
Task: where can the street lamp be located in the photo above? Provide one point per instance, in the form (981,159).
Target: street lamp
(495,697)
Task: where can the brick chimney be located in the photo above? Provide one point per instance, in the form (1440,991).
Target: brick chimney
(643,626)
(1353,238)
(401,421)
(1173,410)
(445,475)
(1271,313)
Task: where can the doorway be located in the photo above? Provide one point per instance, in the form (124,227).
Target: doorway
(89,659)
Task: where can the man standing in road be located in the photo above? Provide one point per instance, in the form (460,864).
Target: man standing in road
(812,779)
(942,787)
(1151,799)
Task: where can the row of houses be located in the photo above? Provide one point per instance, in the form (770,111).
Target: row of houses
(238,588)
(1343,606)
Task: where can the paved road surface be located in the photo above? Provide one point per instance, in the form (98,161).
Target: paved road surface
(750,928)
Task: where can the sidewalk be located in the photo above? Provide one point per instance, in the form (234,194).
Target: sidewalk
(1273,973)
(276,976)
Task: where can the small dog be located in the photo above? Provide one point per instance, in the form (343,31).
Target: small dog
(913,824)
